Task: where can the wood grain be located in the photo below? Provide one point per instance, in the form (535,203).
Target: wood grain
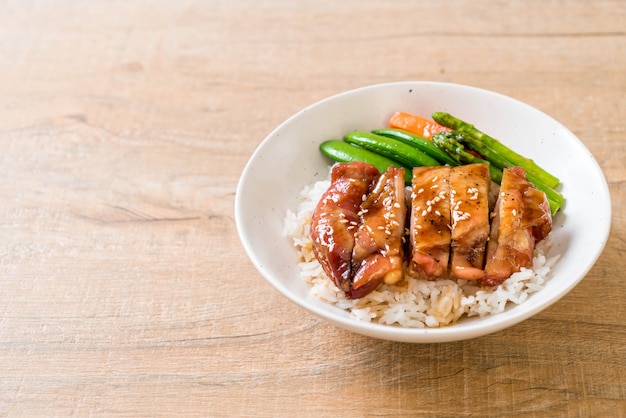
(124,129)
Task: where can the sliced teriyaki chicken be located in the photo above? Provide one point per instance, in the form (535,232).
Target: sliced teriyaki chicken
(378,254)
(521,218)
(469,213)
(429,234)
(336,218)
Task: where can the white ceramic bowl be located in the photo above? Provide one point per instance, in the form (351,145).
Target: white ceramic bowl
(289,158)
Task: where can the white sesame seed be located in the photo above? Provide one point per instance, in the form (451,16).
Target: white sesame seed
(459,216)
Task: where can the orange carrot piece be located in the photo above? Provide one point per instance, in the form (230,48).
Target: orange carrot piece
(415,124)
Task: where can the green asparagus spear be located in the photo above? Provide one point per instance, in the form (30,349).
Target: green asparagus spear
(450,143)
(528,164)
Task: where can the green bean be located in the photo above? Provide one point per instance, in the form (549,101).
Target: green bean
(393,149)
(425,145)
(342,151)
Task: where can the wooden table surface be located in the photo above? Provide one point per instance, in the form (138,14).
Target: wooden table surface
(124,128)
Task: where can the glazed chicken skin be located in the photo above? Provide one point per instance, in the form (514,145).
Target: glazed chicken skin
(336,218)
(429,233)
(521,218)
(358,226)
(378,254)
(469,213)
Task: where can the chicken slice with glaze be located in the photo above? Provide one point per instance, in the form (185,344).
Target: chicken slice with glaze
(521,218)
(336,218)
(378,254)
(429,235)
(469,213)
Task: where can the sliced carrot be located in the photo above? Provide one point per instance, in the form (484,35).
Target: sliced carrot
(415,124)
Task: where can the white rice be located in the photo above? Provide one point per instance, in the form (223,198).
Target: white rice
(412,302)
